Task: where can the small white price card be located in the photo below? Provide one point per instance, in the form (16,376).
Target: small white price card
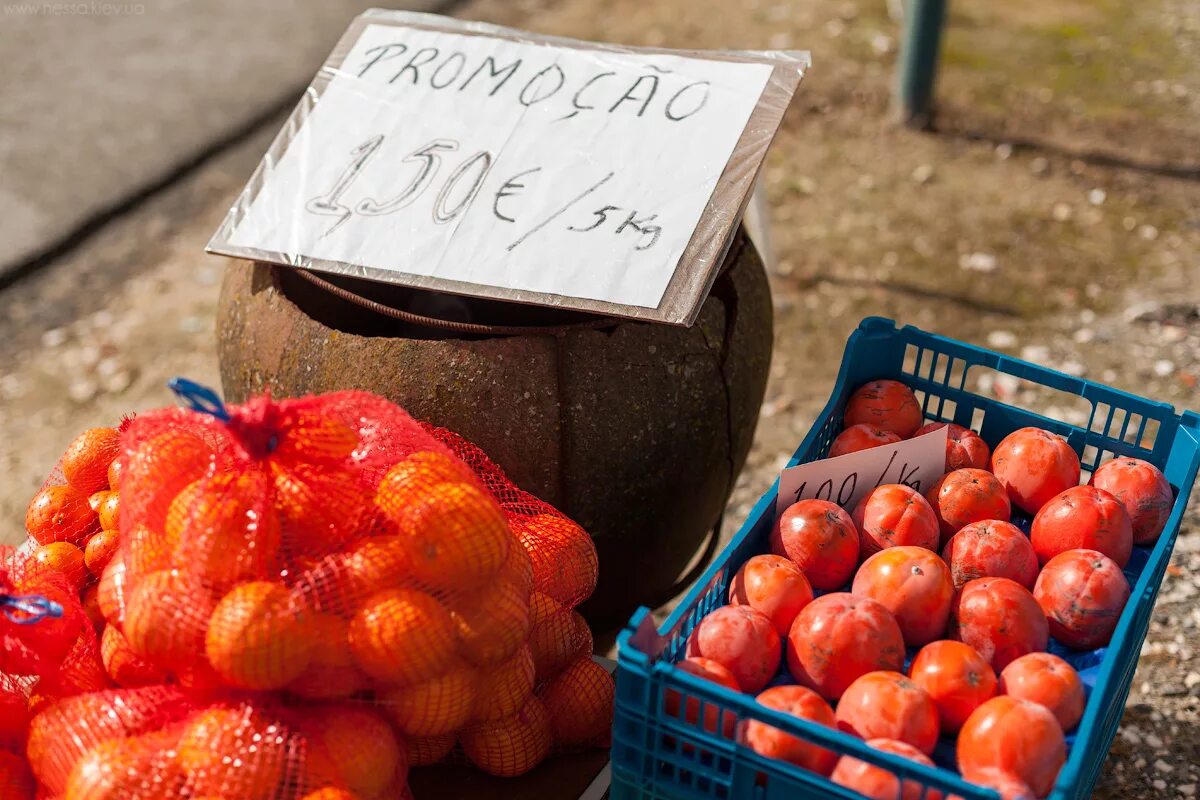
(916,462)
(477,160)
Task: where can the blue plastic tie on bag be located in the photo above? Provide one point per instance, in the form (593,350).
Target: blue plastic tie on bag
(29,609)
(199,398)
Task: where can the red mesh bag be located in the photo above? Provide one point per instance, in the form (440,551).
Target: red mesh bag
(325,593)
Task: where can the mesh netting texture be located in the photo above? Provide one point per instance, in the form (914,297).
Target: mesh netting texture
(290,600)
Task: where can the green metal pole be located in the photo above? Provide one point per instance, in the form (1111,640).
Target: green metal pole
(923,24)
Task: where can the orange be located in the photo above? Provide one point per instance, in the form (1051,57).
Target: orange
(16,781)
(580,704)
(332,673)
(511,746)
(311,436)
(319,510)
(492,623)
(225,529)
(61,557)
(147,550)
(504,688)
(85,464)
(565,564)
(402,636)
(553,638)
(166,616)
(60,514)
(362,746)
(418,473)
(115,469)
(455,534)
(159,469)
(518,569)
(89,599)
(257,637)
(124,666)
(232,752)
(436,707)
(110,593)
(330,793)
(109,511)
(99,551)
(96,499)
(426,750)
(116,769)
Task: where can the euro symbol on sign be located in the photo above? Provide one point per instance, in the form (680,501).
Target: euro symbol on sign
(509,189)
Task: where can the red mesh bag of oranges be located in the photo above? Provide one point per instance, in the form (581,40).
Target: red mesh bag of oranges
(332,593)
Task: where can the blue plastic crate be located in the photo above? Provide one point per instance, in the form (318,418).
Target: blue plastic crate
(660,756)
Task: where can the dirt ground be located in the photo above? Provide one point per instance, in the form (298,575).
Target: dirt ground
(1054,214)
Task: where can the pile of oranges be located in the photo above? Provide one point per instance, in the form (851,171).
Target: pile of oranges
(303,600)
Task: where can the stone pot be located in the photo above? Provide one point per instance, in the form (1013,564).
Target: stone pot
(635,430)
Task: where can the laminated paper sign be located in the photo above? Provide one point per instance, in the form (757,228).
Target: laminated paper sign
(477,160)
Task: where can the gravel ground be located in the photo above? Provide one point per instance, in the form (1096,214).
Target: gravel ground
(1054,218)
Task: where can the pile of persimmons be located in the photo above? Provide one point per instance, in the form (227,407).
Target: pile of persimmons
(292,599)
(945,584)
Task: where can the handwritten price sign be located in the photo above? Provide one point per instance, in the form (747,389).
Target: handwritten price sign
(845,480)
(474,160)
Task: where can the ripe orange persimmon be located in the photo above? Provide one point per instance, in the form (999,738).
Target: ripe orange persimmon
(885,404)
(1016,736)
(964,447)
(60,514)
(801,702)
(224,530)
(861,437)
(878,783)
(991,548)
(565,563)
(1082,517)
(332,672)
(892,515)
(511,746)
(839,637)
(773,585)
(580,702)
(1142,489)
(910,716)
(741,638)
(1034,465)
(258,637)
(85,464)
(820,537)
(1082,593)
(709,670)
(455,535)
(957,678)
(999,618)
(232,752)
(1049,681)
(964,496)
(402,636)
(166,617)
(914,584)
(436,707)
(504,688)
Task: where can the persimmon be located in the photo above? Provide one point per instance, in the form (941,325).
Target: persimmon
(773,585)
(990,548)
(877,783)
(914,584)
(1049,681)
(1007,785)
(86,461)
(911,715)
(1082,593)
(886,404)
(258,637)
(821,539)
(402,636)
(802,703)
(60,514)
(741,638)
(956,677)
(839,637)
(1034,466)
(964,496)
(1142,489)
(860,437)
(510,746)
(709,670)
(999,618)
(1082,517)
(964,447)
(892,515)
(1016,736)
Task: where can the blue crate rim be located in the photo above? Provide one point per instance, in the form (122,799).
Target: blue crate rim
(641,625)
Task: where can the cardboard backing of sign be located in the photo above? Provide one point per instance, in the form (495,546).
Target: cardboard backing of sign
(685,280)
